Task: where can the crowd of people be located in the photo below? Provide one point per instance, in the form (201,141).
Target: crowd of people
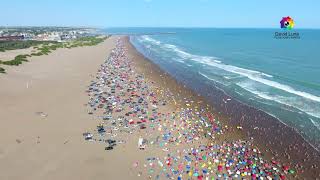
(126,104)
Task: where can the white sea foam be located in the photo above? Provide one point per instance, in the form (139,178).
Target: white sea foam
(258,77)
(251,74)
(282,87)
(206,76)
(316,124)
(212,79)
(170,46)
(148,38)
(302,101)
(295,102)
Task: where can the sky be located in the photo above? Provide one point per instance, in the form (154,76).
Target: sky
(160,13)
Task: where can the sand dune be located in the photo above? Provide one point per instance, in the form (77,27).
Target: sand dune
(11,54)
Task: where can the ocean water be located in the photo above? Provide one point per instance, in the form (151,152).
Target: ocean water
(278,76)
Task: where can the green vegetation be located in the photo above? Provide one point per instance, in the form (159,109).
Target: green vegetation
(88,41)
(44,48)
(2,70)
(85,41)
(12,45)
(17,60)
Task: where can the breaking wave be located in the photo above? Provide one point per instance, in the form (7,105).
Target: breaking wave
(258,86)
(251,74)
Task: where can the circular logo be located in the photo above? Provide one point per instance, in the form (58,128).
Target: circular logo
(287,23)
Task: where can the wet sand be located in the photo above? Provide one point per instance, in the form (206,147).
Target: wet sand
(44,113)
(155,74)
(170,122)
(276,140)
(270,134)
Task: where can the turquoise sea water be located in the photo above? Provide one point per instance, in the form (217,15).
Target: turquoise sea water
(278,76)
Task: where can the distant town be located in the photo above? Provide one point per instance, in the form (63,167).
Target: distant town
(19,44)
(58,34)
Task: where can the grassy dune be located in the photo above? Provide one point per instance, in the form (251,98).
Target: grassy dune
(47,48)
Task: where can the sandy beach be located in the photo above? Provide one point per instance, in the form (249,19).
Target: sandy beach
(276,140)
(11,54)
(106,112)
(49,145)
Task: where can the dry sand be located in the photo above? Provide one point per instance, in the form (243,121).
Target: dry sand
(49,145)
(43,116)
(35,146)
(52,147)
(11,54)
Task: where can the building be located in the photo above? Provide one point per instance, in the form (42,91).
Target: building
(11,38)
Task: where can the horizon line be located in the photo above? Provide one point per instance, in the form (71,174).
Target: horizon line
(178,27)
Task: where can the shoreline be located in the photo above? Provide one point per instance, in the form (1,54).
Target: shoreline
(179,135)
(50,104)
(153,71)
(283,141)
